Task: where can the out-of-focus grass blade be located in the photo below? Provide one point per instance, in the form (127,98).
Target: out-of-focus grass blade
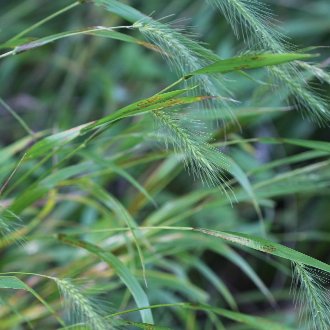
(122,214)
(12,282)
(96,31)
(267,246)
(172,283)
(124,325)
(255,322)
(123,272)
(248,62)
(217,282)
(129,13)
(240,113)
(192,241)
(311,144)
(54,141)
(15,43)
(145,326)
(235,170)
(19,145)
(122,172)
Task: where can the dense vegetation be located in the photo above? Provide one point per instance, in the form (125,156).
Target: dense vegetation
(160,172)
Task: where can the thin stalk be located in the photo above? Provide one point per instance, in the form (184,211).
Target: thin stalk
(183,78)
(45,20)
(119,229)
(3,187)
(127,229)
(17,117)
(28,173)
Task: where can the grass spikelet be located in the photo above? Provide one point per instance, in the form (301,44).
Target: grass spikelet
(185,55)
(81,309)
(9,226)
(253,20)
(315,107)
(312,297)
(202,160)
(316,71)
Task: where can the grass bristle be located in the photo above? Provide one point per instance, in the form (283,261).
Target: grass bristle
(81,309)
(312,296)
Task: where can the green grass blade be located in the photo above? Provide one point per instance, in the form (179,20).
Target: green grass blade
(267,246)
(249,62)
(129,13)
(256,322)
(12,282)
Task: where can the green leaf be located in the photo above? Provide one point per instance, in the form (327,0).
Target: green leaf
(311,144)
(54,141)
(267,246)
(248,62)
(99,31)
(129,13)
(12,282)
(256,322)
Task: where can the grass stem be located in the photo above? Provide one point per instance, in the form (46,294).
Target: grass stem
(43,21)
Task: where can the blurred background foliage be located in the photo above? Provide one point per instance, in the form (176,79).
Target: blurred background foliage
(79,79)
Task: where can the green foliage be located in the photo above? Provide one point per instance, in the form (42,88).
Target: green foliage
(133,156)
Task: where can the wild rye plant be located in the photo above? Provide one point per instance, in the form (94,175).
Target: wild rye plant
(139,249)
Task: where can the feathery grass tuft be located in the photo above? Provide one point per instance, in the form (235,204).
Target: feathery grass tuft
(321,74)
(312,104)
(202,160)
(254,21)
(312,297)
(184,56)
(9,225)
(81,309)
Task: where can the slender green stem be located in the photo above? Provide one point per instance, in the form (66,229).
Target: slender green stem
(127,229)
(3,187)
(29,172)
(17,117)
(81,146)
(172,85)
(45,20)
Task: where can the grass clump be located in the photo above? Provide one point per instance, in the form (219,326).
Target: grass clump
(167,233)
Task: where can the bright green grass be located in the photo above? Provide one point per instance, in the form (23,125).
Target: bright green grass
(150,182)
